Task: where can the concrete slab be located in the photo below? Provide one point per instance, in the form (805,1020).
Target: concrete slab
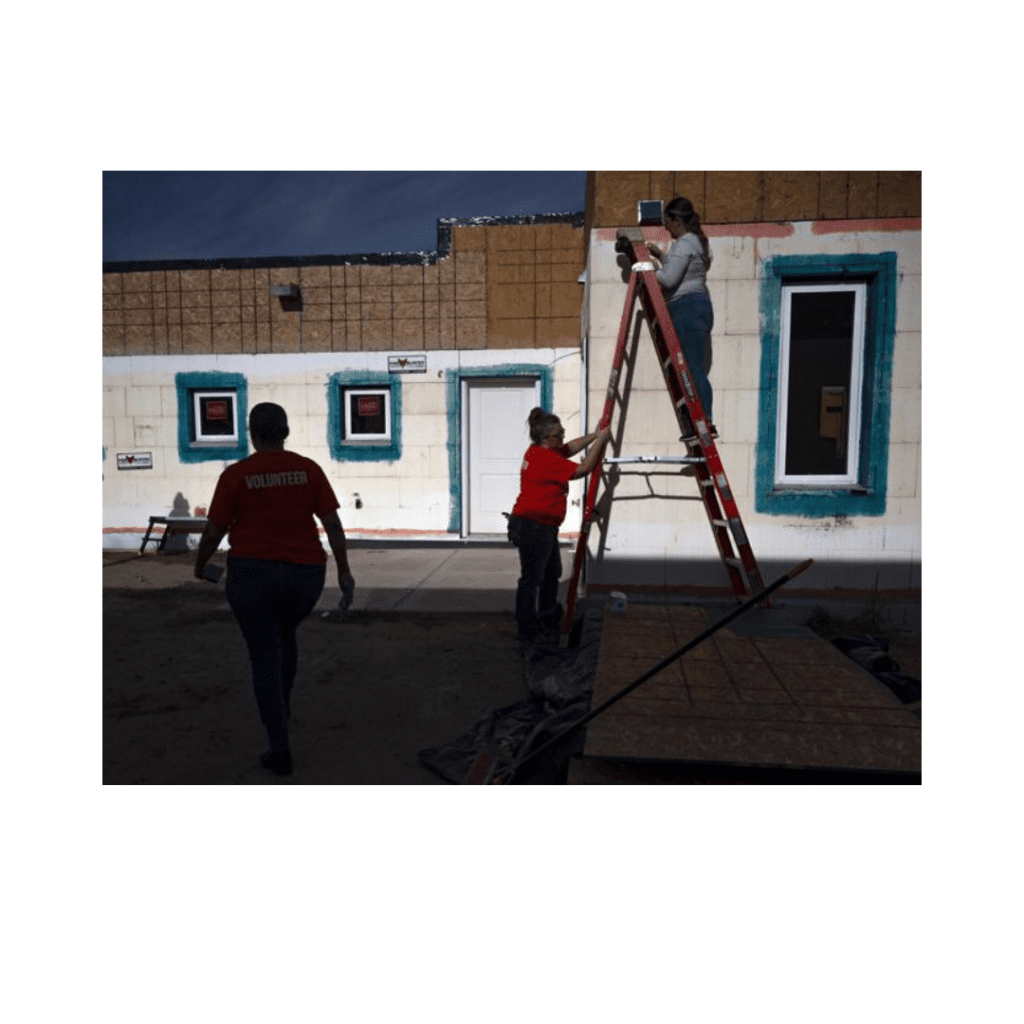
(430,580)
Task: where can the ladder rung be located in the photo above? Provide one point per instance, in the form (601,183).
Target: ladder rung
(722,524)
(734,562)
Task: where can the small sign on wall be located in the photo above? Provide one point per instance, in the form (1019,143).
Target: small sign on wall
(216,409)
(137,460)
(407,364)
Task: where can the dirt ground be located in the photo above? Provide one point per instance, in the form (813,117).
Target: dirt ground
(372,690)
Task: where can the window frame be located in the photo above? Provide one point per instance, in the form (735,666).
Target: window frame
(851,478)
(229,448)
(349,391)
(344,449)
(217,440)
(867,496)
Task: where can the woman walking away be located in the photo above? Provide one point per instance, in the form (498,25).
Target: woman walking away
(276,565)
(683,278)
(537,515)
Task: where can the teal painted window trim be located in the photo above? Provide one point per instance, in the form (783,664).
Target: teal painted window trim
(387,451)
(186,383)
(879,271)
(453,400)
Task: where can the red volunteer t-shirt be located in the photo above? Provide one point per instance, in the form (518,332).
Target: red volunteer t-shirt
(544,485)
(267,502)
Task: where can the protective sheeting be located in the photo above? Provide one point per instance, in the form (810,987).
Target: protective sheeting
(560,681)
(870,652)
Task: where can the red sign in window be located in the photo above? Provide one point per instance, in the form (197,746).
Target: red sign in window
(369,405)
(216,409)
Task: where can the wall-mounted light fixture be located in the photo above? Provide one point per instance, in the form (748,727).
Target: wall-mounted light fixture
(648,212)
(290,296)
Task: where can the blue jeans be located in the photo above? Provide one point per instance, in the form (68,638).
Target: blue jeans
(540,564)
(269,600)
(693,317)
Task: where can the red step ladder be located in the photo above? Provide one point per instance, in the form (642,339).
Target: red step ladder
(719,503)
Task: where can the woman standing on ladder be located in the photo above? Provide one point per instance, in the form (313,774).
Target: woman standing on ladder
(537,514)
(683,278)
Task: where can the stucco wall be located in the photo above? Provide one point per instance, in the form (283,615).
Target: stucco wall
(418,493)
(657,531)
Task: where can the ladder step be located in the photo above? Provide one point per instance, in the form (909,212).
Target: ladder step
(722,524)
(734,562)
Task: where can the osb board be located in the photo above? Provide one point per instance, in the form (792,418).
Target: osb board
(785,701)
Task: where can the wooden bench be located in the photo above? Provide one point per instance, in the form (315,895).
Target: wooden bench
(171,524)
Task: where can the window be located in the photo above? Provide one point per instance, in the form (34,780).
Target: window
(214,417)
(364,416)
(367,414)
(212,412)
(828,327)
(821,363)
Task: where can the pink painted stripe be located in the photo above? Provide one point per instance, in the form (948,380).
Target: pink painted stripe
(784,230)
(651,234)
(766,230)
(711,230)
(833,227)
(351,532)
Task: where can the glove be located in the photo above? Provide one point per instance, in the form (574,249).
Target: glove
(348,589)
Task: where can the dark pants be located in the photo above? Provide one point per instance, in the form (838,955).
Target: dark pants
(693,318)
(540,564)
(270,599)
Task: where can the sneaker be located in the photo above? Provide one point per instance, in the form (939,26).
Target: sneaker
(692,437)
(279,762)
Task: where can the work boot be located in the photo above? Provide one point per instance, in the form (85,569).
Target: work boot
(279,762)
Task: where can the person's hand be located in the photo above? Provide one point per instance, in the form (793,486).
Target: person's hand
(604,435)
(654,250)
(348,590)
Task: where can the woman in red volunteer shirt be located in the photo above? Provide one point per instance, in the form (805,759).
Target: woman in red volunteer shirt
(537,514)
(276,565)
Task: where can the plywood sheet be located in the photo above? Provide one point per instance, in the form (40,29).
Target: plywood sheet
(772,701)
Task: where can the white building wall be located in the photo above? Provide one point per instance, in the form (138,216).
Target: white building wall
(657,532)
(411,496)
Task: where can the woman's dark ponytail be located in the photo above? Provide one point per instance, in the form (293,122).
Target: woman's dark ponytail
(682,209)
(541,423)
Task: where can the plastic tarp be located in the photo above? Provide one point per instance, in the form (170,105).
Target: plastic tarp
(871,653)
(560,681)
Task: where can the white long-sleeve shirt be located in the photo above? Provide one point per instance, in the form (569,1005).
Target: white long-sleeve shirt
(683,268)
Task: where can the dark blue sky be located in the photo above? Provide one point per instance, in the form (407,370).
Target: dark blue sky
(161,215)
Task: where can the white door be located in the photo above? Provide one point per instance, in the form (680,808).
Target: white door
(497,437)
